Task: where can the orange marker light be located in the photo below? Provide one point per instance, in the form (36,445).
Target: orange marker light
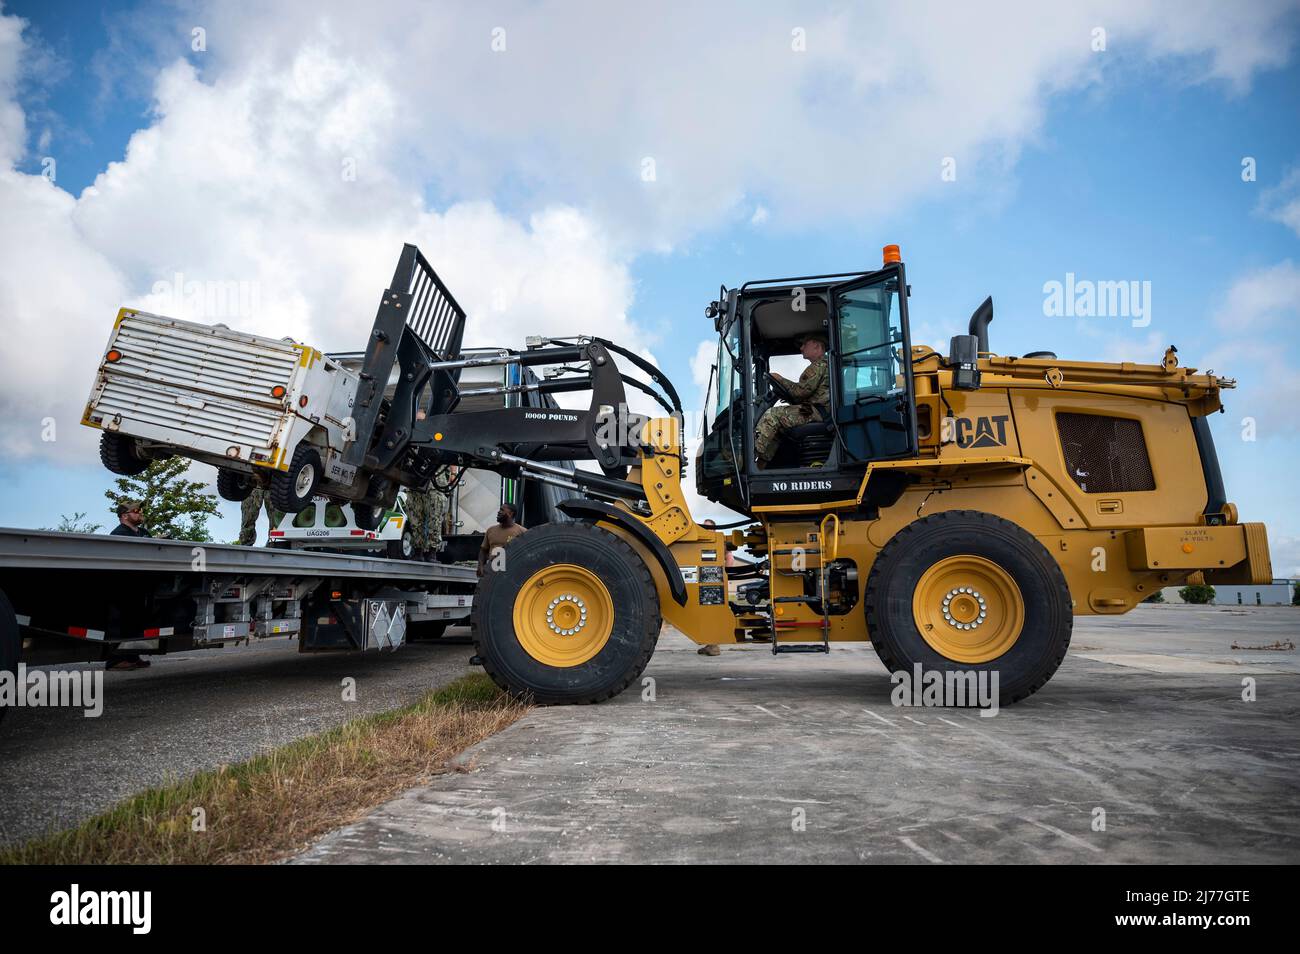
(302,401)
(113,355)
(277,391)
(892,254)
(438,436)
(1187,548)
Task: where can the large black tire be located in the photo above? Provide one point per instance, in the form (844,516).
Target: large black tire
(1044,637)
(121,454)
(234,485)
(366,516)
(292,490)
(634,624)
(10,647)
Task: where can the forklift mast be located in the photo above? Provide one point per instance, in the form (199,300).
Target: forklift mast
(418,333)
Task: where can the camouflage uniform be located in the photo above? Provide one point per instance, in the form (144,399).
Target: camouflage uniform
(425,511)
(248,509)
(812,388)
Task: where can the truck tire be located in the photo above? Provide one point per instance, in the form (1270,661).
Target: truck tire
(367,516)
(233,485)
(121,454)
(292,490)
(966,591)
(403,549)
(10,646)
(571,618)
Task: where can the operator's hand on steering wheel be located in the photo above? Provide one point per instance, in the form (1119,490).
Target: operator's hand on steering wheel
(779,386)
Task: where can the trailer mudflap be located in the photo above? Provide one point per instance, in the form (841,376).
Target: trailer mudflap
(1226,554)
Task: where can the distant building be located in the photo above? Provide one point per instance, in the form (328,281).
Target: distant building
(1277,593)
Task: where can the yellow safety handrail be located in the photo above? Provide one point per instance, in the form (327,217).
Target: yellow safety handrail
(830,550)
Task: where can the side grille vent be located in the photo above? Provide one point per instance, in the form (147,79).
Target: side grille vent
(1105,455)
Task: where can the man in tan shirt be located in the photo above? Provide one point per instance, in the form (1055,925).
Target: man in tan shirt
(497,536)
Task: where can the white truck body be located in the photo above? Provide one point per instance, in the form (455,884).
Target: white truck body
(238,401)
(325,524)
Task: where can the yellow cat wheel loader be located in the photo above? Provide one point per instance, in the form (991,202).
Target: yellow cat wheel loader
(956,510)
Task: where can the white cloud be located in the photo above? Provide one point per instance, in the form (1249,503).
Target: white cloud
(242,182)
(849,128)
(706,353)
(13,124)
(1260,314)
(1262,300)
(1281,203)
(239,176)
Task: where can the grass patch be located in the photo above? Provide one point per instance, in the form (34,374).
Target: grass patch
(277,803)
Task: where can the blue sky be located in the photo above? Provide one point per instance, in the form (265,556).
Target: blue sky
(1123,164)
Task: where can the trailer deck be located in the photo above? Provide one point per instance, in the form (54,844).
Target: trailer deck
(82,597)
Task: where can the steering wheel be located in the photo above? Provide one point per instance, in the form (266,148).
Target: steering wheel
(781,390)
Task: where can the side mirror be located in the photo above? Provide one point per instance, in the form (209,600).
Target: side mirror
(963,358)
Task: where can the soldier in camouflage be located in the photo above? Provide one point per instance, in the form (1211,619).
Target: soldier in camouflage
(426,510)
(812,392)
(248,509)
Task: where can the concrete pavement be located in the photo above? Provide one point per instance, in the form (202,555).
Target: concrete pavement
(753,758)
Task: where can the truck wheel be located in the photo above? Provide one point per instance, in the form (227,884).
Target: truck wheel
(121,454)
(292,490)
(233,485)
(403,549)
(9,643)
(965,591)
(573,616)
(366,516)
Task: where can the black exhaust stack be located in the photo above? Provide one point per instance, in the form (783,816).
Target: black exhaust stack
(979,323)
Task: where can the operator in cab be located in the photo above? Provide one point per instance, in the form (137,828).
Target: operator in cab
(810,397)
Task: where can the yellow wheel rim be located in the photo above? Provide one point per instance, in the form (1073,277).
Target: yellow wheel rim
(968,609)
(563,615)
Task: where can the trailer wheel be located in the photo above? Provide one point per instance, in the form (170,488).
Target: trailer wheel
(572,617)
(368,516)
(233,485)
(292,490)
(10,646)
(121,454)
(403,549)
(965,591)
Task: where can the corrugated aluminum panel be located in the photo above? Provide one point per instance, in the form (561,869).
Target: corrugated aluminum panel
(203,359)
(219,419)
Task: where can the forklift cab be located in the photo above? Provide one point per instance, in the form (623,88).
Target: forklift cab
(871,413)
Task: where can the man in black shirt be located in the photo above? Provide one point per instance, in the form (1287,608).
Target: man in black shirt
(130,523)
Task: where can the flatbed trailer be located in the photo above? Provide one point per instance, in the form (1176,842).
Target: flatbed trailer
(71,597)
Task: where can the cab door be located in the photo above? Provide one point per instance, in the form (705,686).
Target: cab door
(871,368)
